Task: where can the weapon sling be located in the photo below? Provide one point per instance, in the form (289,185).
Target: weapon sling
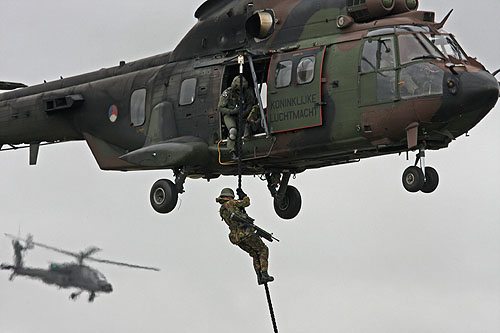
(240,176)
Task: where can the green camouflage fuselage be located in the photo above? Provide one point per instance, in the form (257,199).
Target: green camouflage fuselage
(323,108)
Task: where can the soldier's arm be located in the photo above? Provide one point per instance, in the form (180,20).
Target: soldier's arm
(223,103)
(243,203)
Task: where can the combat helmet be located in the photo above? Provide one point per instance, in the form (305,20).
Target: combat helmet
(236,83)
(227,192)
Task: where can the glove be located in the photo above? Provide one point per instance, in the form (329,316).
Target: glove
(240,193)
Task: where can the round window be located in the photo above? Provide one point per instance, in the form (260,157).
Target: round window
(305,70)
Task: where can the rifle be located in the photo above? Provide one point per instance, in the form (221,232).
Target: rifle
(248,221)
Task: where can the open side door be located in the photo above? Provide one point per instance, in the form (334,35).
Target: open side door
(294,90)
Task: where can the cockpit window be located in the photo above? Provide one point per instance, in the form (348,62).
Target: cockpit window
(100,276)
(414,47)
(386,53)
(448,46)
(413,28)
(369,56)
(378,54)
(420,79)
(378,69)
(380,32)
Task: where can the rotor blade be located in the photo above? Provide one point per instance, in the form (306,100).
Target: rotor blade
(11,85)
(89,251)
(122,264)
(76,255)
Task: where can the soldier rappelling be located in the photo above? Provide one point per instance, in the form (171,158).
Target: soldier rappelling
(243,233)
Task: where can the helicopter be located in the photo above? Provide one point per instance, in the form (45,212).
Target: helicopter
(66,275)
(336,81)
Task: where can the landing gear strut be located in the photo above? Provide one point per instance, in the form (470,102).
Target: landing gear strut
(287,199)
(423,178)
(75,295)
(165,194)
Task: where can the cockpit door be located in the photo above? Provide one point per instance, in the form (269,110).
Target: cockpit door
(377,77)
(294,90)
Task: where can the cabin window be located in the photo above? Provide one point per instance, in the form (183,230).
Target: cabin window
(138,107)
(305,70)
(284,74)
(188,91)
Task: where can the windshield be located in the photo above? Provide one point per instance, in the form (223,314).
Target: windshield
(413,47)
(448,46)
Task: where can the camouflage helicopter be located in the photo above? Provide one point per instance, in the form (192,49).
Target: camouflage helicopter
(336,81)
(66,275)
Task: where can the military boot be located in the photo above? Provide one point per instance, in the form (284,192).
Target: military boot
(265,278)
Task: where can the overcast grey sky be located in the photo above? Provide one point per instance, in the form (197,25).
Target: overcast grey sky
(363,256)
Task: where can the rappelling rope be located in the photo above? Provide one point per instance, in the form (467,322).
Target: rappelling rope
(239,148)
(271,309)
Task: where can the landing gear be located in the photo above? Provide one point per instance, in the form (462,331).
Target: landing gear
(75,295)
(413,179)
(431,180)
(424,179)
(164,193)
(163,196)
(287,199)
(91,297)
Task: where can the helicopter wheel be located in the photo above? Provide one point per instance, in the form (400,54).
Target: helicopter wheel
(413,179)
(289,207)
(431,180)
(163,196)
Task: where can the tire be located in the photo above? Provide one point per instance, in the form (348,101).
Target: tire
(289,208)
(431,180)
(413,179)
(163,196)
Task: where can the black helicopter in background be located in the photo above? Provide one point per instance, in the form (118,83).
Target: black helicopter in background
(65,275)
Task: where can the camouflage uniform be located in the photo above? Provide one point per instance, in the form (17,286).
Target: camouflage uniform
(242,236)
(229,108)
(253,124)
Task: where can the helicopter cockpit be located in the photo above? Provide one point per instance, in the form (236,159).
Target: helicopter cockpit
(402,63)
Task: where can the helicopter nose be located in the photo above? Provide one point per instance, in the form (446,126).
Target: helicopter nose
(107,288)
(467,99)
(479,92)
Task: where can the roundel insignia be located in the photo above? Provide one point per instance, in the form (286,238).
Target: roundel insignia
(113,113)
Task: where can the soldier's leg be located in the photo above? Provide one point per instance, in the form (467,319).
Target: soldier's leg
(255,256)
(262,251)
(233,132)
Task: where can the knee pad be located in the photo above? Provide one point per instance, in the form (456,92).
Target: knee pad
(233,134)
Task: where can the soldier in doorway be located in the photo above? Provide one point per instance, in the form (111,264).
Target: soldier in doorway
(244,236)
(229,107)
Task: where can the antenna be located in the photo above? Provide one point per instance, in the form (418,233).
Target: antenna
(443,22)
